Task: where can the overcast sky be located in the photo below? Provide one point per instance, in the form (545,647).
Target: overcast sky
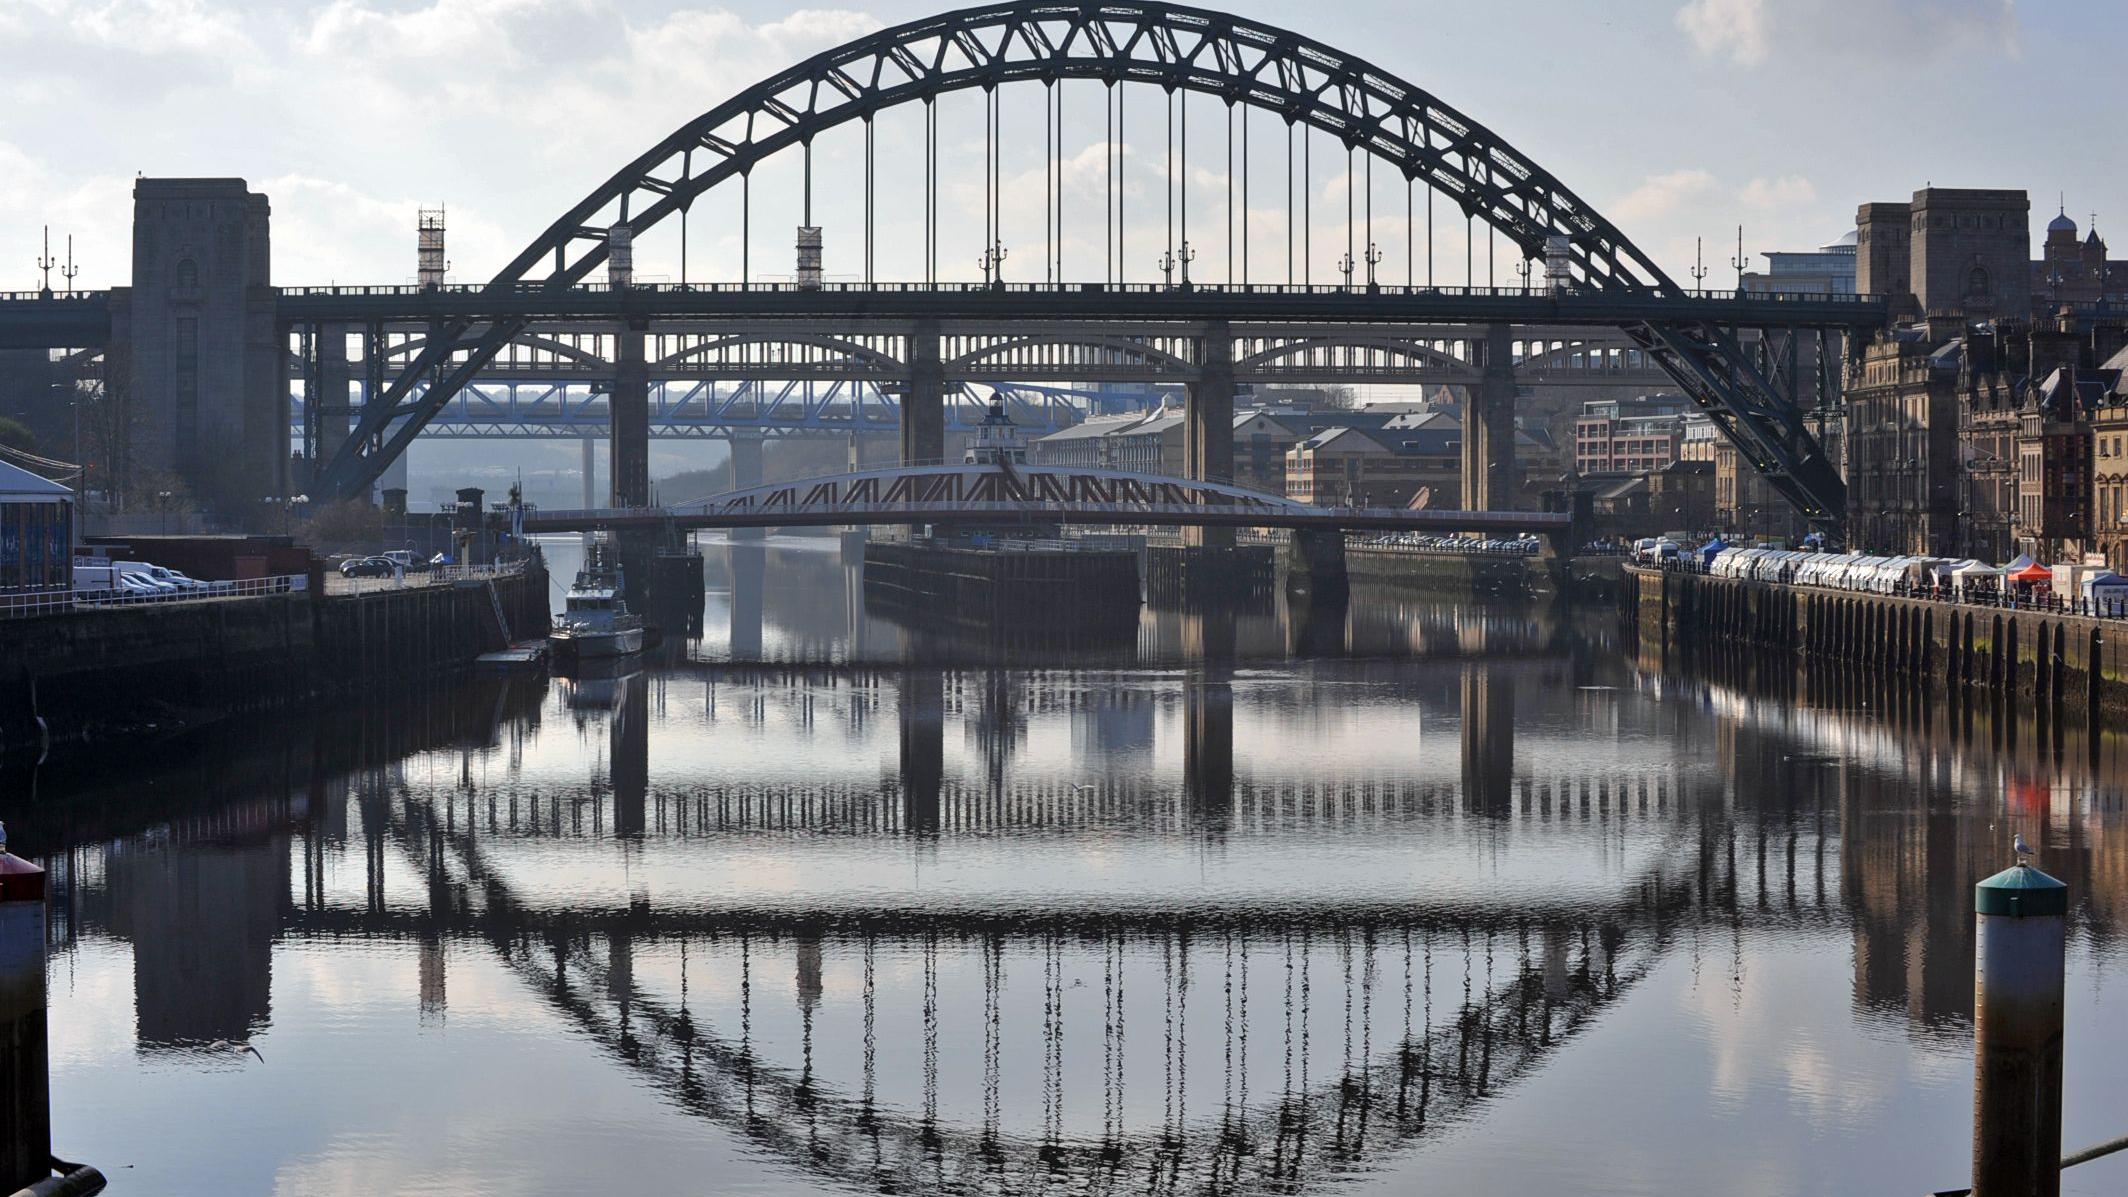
(1674,118)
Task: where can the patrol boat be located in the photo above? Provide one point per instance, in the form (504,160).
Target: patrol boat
(595,621)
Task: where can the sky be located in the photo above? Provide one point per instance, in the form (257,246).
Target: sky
(1676,118)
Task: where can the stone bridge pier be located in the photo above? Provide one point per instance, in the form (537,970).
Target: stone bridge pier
(923,405)
(1490,479)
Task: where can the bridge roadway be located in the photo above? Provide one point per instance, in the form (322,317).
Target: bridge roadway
(849,304)
(34,320)
(990,495)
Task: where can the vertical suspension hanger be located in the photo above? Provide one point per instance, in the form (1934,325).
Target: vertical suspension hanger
(1411,274)
(1245,195)
(1290,278)
(1122,191)
(1049,181)
(870,216)
(1168,260)
(1108,198)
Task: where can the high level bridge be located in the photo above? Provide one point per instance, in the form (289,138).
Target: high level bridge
(1589,304)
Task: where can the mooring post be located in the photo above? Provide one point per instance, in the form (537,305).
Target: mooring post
(25,1106)
(2017,1033)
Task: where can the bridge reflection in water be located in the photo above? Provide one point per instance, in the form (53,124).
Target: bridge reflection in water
(1218,921)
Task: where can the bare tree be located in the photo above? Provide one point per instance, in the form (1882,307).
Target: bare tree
(110,422)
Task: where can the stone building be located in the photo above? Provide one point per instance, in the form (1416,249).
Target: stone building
(1956,257)
(1359,467)
(2074,271)
(2052,518)
(2109,464)
(205,372)
(1746,507)
(1902,444)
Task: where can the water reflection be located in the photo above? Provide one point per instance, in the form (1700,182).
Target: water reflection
(1202,913)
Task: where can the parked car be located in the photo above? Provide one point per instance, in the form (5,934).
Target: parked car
(368,567)
(174,578)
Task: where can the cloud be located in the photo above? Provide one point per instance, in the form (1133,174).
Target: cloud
(1736,28)
(155,27)
(1662,195)
(1753,32)
(1788,191)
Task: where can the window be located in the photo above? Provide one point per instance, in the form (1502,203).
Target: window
(187,274)
(1976,283)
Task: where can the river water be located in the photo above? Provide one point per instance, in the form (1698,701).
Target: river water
(1407,898)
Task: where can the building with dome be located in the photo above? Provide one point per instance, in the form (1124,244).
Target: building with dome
(2072,268)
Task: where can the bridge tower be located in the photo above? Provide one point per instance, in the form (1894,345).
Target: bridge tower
(1489,481)
(195,339)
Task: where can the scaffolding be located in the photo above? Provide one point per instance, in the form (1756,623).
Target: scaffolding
(430,263)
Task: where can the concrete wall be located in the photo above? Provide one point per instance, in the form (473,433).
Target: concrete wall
(2058,664)
(154,669)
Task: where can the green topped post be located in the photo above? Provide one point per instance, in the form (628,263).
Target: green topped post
(2017,1033)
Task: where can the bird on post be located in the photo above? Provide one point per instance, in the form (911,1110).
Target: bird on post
(2019,846)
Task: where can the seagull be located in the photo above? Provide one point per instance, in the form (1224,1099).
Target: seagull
(1076,788)
(2019,846)
(235,1049)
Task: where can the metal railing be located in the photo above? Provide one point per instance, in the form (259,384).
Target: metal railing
(1067,288)
(18,604)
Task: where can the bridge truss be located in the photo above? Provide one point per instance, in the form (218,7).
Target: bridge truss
(775,380)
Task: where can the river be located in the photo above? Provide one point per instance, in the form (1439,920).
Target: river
(1414,897)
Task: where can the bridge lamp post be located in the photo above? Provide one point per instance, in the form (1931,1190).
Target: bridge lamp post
(1188,256)
(993,264)
(1374,259)
(1523,268)
(1347,267)
(1166,266)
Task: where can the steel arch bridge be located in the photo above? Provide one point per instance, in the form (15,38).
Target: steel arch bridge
(1174,48)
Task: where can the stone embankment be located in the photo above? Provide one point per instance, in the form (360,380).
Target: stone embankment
(85,675)
(2056,663)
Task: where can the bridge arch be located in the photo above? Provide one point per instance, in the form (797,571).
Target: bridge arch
(852,351)
(1174,48)
(414,346)
(1125,349)
(1412,352)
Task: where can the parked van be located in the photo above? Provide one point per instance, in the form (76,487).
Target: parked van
(94,576)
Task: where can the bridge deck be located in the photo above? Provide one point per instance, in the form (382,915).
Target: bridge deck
(1136,301)
(32,320)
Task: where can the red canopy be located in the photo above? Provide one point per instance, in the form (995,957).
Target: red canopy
(2033,573)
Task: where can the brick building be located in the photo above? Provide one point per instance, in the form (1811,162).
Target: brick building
(1629,436)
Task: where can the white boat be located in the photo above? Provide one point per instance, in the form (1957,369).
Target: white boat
(595,621)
